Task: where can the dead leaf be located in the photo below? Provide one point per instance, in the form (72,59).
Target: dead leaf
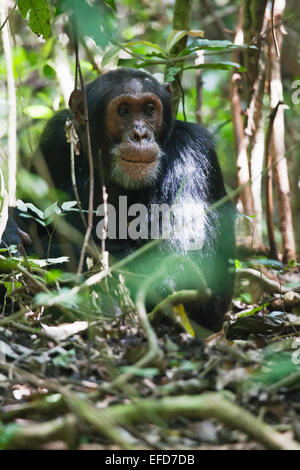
(61,332)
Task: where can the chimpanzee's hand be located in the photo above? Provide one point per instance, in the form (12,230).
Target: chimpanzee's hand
(13,235)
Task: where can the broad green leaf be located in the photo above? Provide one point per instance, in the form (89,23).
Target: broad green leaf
(64,297)
(219,45)
(52,275)
(175,36)
(68,205)
(217,66)
(21,205)
(51,212)
(205,44)
(34,209)
(110,55)
(130,63)
(37,13)
(112,4)
(171,72)
(145,43)
(38,111)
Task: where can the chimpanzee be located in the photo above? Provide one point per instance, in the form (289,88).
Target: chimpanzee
(163,169)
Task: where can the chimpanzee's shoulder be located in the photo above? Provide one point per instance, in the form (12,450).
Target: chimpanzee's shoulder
(56,125)
(54,133)
(193,131)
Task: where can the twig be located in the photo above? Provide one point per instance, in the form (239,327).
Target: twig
(182,96)
(273,30)
(165,306)
(73,139)
(89,153)
(272,287)
(104,253)
(12,111)
(7,18)
(32,331)
(3,206)
(243,173)
(206,405)
(269,188)
(34,435)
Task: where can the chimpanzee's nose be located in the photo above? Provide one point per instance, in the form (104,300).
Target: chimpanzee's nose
(140,133)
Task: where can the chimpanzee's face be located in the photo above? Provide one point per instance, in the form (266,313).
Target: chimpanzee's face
(133,123)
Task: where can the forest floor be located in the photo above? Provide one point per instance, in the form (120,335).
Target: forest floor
(112,381)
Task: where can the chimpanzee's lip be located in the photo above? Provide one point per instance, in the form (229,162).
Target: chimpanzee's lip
(137,162)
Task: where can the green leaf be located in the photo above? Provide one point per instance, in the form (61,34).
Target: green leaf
(34,209)
(38,111)
(64,297)
(6,434)
(66,206)
(175,36)
(52,275)
(206,44)
(171,72)
(37,13)
(110,55)
(253,310)
(21,205)
(145,43)
(112,4)
(130,63)
(218,66)
(51,212)
(146,372)
(219,45)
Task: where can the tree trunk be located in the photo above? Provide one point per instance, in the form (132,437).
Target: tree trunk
(277,138)
(12,105)
(243,174)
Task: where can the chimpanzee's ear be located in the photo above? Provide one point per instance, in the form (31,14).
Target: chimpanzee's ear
(76,106)
(168,88)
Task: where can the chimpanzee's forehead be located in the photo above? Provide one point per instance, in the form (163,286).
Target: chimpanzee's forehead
(136,86)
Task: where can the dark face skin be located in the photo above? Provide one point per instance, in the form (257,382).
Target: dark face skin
(133,123)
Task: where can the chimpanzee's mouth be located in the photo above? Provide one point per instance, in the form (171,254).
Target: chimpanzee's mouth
(138,162)
(135,170)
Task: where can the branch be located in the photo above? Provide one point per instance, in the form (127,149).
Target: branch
(206,405)
(12,108)
(181,22)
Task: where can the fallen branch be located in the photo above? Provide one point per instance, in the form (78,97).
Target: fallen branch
(107,421)
(207,405)
(34,435)
(268,285)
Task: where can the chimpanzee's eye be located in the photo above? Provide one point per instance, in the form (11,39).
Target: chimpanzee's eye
(123,110)
(149,109)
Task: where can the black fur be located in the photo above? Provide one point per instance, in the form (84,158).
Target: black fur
(189,173)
